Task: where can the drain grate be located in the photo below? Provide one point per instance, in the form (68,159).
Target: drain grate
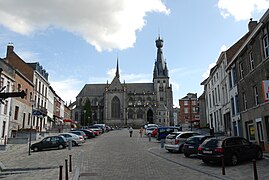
(88,174)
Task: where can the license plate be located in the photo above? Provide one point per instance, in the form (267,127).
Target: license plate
(207,152)
(191,147)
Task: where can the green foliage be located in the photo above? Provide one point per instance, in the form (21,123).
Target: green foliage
(87,113)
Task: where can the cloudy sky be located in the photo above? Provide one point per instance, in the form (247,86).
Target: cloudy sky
(79,41)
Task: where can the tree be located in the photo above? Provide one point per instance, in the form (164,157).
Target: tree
(87,113)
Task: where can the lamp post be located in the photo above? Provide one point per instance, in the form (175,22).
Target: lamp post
(31,126)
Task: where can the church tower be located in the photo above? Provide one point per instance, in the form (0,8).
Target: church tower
(162,87)
(114,100)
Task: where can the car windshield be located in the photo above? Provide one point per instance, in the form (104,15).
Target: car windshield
(212,143)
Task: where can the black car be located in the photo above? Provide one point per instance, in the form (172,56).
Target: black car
(88,133)
(50,142)
(191,145)
(232,149)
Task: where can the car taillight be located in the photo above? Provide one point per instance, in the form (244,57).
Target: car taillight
(176,141)
(200,148)
(80,137)
(220,150)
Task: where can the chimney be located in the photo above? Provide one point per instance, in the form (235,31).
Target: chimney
(10,49)
(252,25)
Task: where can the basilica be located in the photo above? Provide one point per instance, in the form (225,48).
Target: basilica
(129,104)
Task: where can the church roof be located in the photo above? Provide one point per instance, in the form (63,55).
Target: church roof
(92,90)
(140,87)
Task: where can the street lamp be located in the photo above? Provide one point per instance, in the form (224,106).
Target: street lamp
(31,126)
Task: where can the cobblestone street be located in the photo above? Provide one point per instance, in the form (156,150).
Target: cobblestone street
(115,155)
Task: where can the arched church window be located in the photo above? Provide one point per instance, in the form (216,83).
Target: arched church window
(115,107)
(140,114)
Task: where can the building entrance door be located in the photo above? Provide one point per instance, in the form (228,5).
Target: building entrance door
(150,116)
(260,132)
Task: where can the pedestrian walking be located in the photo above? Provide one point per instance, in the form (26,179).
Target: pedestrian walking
(141,131)
(131,131)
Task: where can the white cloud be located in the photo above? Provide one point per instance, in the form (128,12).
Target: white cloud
(67,89)
(107,25)
(241,9)
(223,48)
(206,74)
(28,56)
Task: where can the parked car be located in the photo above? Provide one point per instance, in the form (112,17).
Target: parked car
(154,132)
(50,142)
(97,128)
(96,131)
(149,130)
(233,149)
(174,142)
(100,126)
(89,133)
(75,139)
(79,133)
(192,143)
(150,125)
(162,132)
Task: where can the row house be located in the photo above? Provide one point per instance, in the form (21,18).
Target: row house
(217,89)
(39,77)
(40,96)
(189,114)
(37,109)
(251,76)
(21,109)
(7,75)
(236,91)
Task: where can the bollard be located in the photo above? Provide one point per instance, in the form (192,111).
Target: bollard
(69,144)
(149,135)
(255,169)
(70,163)
(66,170)
(61,173)
(162,143)
(223,165)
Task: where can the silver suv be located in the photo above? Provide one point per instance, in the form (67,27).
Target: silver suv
(174,142)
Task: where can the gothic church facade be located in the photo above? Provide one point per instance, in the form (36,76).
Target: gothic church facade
(130,104)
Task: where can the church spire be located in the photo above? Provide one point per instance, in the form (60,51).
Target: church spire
(160,69)
(117,69)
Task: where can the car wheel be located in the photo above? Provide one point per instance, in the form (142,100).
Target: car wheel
(74,143)
(205,161)
(60,146)
(36,149)
(259,155)
(234,160)
(186,155)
